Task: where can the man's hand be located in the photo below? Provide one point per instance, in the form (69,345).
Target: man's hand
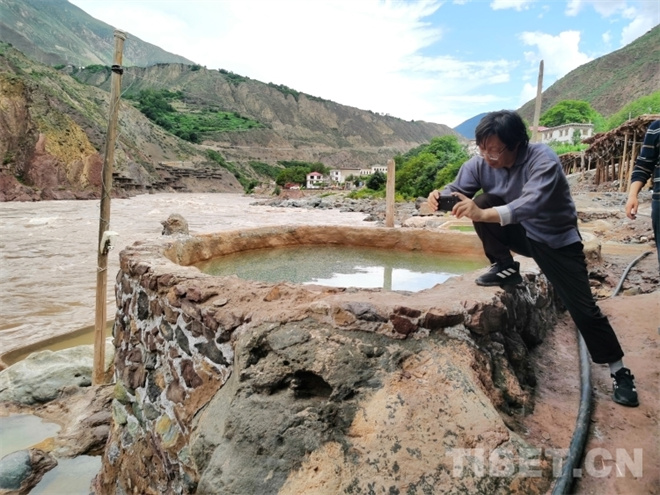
(433,199)
(466,208)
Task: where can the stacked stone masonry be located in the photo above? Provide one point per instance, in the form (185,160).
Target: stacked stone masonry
(179,334)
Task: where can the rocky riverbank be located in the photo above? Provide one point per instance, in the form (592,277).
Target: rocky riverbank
(600,214)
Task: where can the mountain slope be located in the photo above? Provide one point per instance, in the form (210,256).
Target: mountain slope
(468,127)
(52,136)
(611,81)
(52,128)
(295,126)
(57,32)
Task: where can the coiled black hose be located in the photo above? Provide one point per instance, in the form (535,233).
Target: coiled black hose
(579,439)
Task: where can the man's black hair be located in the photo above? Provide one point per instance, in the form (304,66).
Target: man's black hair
(507,125)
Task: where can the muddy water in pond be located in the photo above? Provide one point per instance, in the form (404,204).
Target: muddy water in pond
(48,251)
(342,266)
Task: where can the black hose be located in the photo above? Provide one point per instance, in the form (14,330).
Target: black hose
(578,441)
(625,272)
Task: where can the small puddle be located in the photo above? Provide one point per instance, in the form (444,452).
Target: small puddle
(69,477)
(341,266)
(21,431)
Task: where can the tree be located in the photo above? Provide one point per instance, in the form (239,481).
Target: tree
(294,175)
(376,181)
(570,112)
(415,178)
(418,174)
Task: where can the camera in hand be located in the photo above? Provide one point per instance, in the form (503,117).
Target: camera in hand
(446,203)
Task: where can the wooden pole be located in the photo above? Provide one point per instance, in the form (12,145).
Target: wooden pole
(389,194)
(623,165)
(537,105)
(98,377)
(633,157)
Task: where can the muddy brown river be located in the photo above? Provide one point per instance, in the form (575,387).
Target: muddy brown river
(48,251)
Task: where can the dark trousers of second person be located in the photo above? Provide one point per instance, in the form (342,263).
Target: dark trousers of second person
(655,220)
(565,268)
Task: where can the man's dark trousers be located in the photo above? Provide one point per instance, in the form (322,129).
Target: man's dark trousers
(565,268)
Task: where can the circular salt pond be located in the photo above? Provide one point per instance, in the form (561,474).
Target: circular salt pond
(342,266)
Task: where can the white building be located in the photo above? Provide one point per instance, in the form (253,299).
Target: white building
(316,180)
(564,133)
(339,175)
(374,169)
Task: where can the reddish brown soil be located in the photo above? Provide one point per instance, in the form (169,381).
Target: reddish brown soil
(616,430)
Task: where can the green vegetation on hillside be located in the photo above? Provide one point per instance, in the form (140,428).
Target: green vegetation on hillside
(295,172)
(157,106)
(247,183)
(608,82)
(419,171)
(430,167)
(572,112)
(235,79)
(644,105)
(285,90)
(265,169)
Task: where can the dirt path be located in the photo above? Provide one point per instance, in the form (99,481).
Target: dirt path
(622,455)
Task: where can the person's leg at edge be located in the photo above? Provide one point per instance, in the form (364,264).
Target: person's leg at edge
(498,241)
(566,269)
(655,219)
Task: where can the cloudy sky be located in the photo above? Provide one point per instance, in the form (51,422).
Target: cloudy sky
(439,61)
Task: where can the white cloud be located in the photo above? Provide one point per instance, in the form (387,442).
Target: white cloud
(642,19)
(358,53)
(511,4)
(640,15)
(573,8)
(375,52)
(528,93)
(131,19)
(388,56)
(560,54)
(604,8)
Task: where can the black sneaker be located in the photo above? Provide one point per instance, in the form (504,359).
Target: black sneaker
(624,391)
(500,274)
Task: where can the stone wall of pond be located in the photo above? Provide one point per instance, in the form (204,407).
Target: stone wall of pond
(229,386)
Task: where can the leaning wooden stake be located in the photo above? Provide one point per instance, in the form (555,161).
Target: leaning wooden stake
(537,105)
(103,245)
(389,194)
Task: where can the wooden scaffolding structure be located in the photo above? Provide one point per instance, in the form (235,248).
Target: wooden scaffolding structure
(612,154)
